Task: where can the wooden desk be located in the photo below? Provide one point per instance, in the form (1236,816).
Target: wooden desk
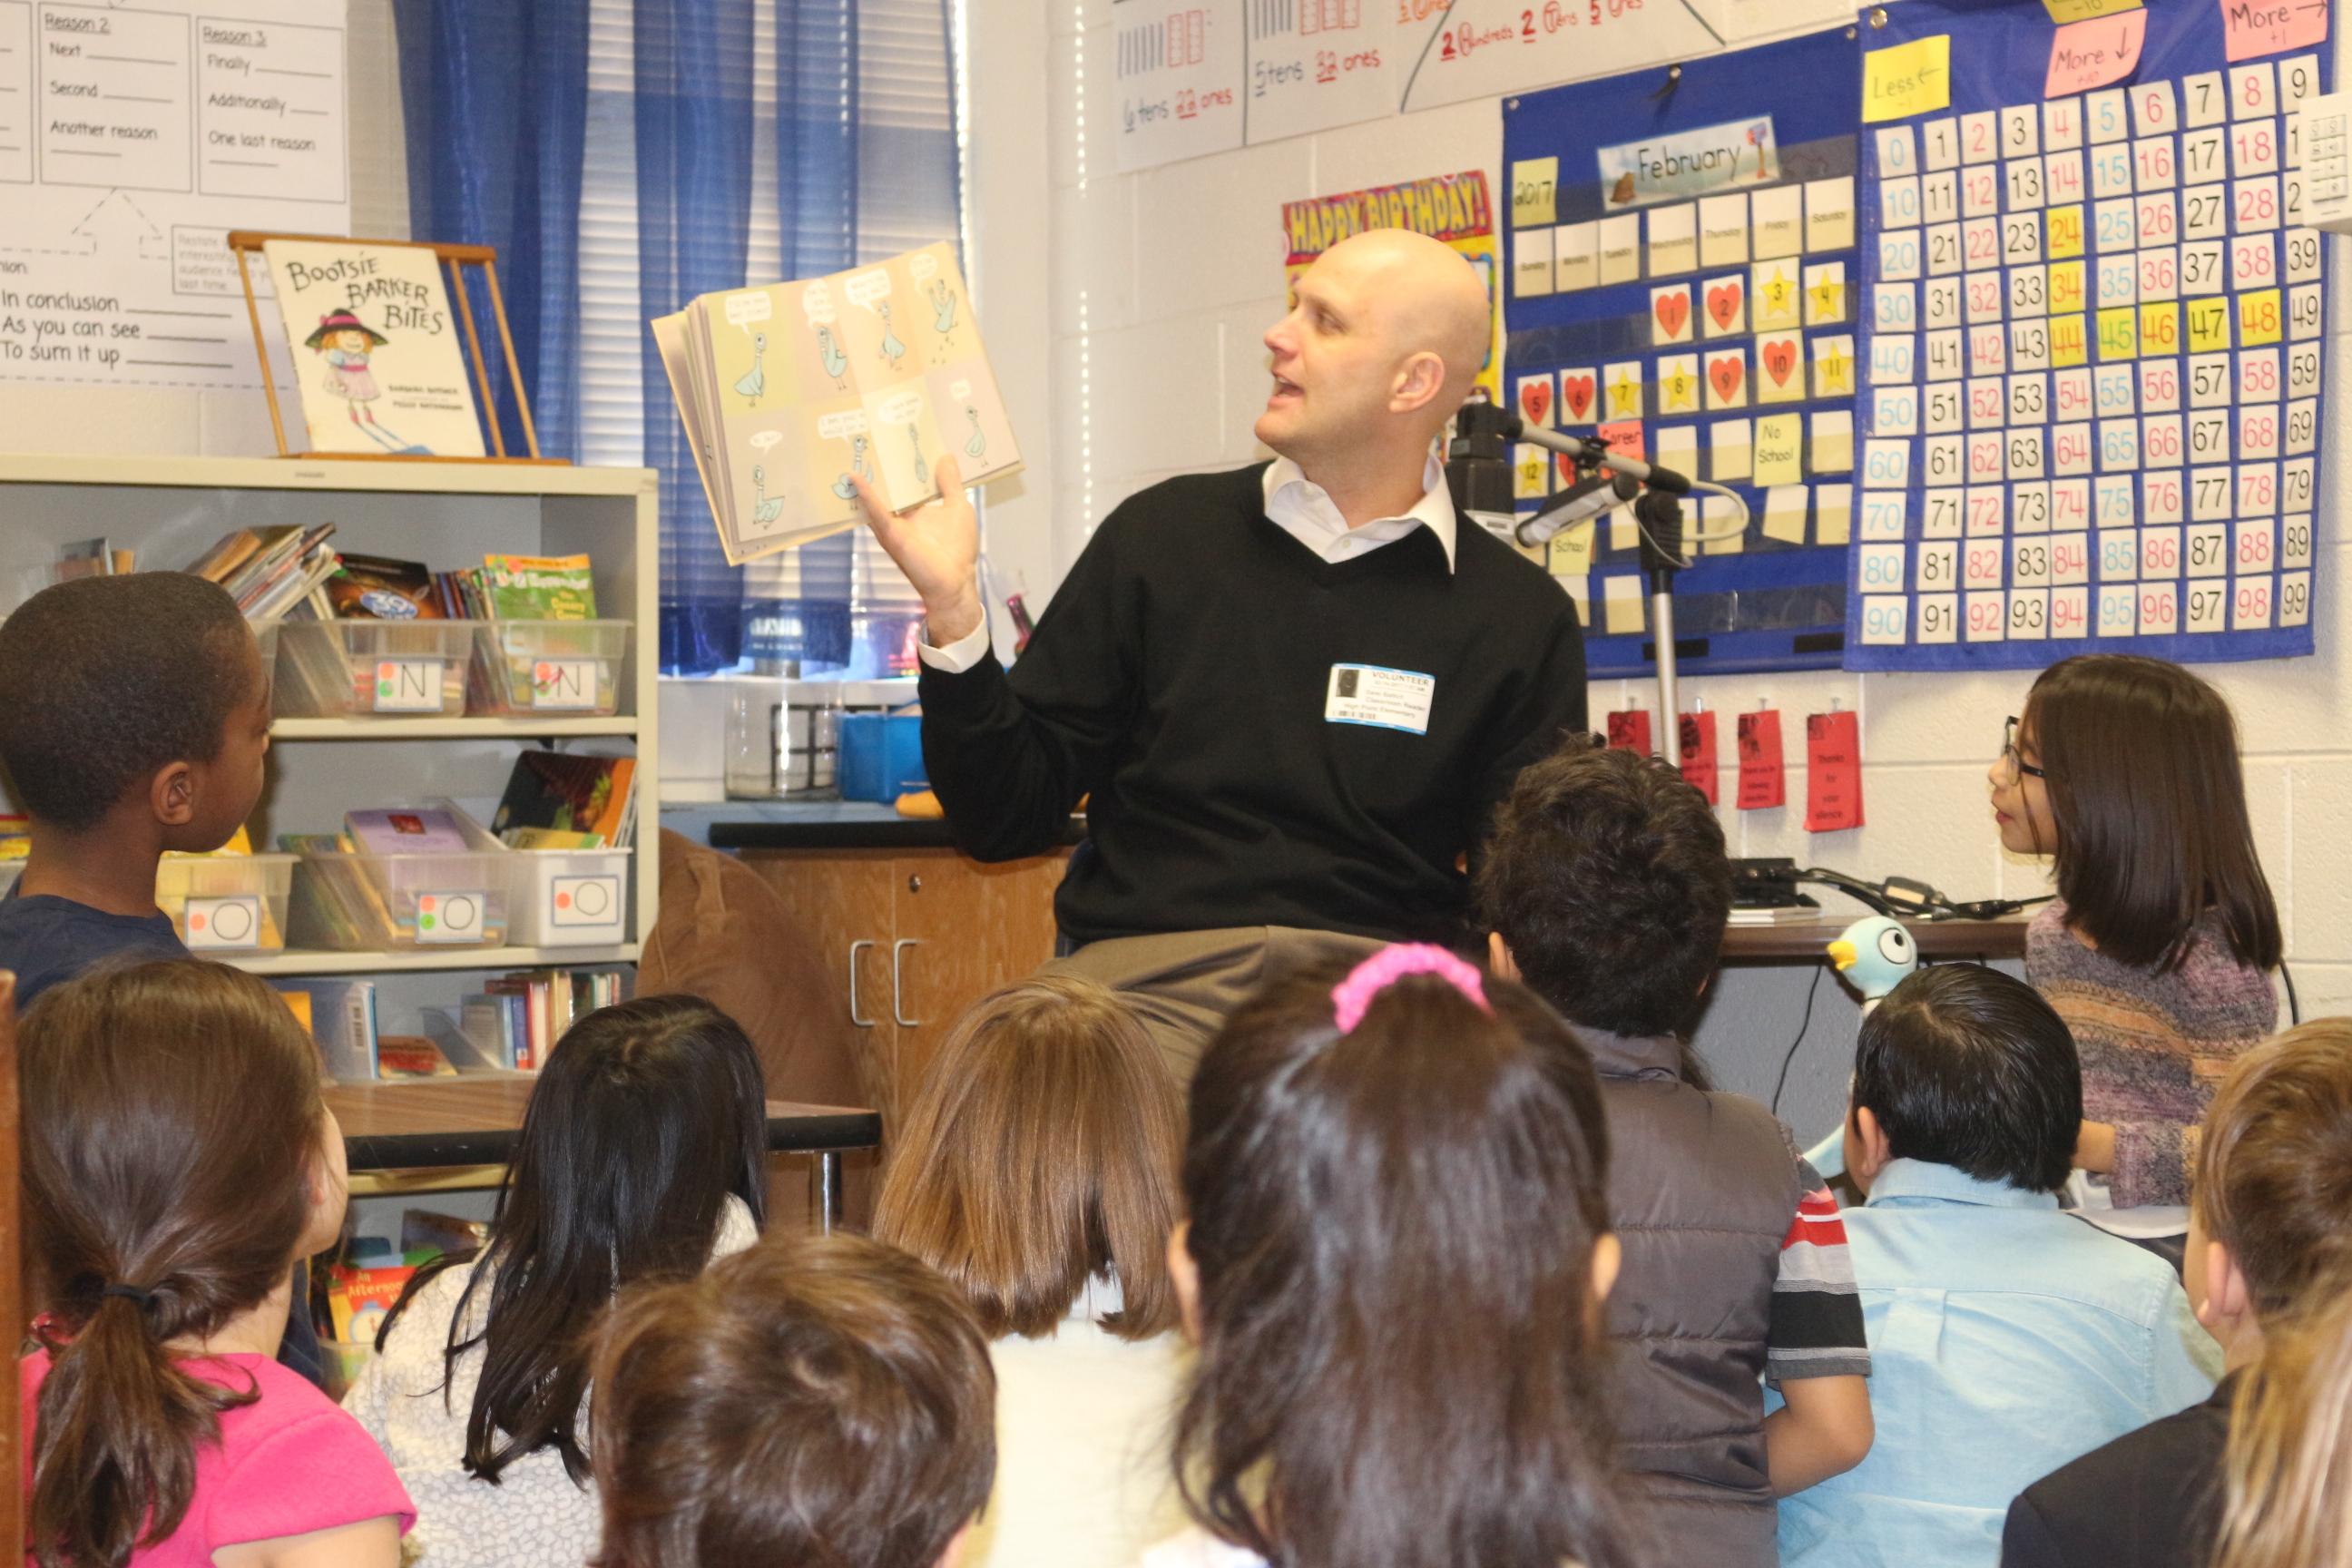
(409,1135)
(1809,940)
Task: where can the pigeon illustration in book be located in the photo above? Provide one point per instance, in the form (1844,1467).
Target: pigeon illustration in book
(766,507)
(843,487)
(836,363)
(922,465)
(892,349)
(977,446)
(755,380)
(943,308)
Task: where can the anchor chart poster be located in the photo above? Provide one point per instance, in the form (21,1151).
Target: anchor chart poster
(379,357)
(790,389)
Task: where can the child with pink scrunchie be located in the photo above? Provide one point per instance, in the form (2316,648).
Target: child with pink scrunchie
(1394,1264)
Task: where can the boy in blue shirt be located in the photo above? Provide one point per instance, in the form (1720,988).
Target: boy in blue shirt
(134,714)
(2006,1337)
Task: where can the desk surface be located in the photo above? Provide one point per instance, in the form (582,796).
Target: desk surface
(1936,938)
(423,1123)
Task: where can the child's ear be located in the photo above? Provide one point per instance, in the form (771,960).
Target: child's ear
(1185,1275)
(953,1556)
(172,795)
(1498,956)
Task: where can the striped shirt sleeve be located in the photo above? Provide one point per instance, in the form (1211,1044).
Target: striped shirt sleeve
(1816,1324)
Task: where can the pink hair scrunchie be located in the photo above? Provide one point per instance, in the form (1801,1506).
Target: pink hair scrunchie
(1353,995)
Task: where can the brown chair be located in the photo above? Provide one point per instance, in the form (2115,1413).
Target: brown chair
(724,935)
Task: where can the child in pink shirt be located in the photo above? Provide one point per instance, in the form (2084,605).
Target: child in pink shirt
(177,1162)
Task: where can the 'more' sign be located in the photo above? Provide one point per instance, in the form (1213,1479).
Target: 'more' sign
(1689,162)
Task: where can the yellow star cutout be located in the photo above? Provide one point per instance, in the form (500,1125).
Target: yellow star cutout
(1681,388)
(1625,396)
(1834,367)
(1826,301)
(1778,293)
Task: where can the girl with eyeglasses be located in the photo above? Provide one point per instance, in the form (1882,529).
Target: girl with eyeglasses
(2156,950)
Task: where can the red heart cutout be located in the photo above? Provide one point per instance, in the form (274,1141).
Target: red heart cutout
(1576,392)
(1535,401)
(1673,311)
(1727,375)
(1779,358)
(1723,303)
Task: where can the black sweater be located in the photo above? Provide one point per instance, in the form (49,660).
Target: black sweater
(1179,677)
(2151,1498)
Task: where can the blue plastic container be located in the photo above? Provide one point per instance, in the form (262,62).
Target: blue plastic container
(881,756)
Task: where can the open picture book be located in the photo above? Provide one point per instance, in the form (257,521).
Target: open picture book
(788,389)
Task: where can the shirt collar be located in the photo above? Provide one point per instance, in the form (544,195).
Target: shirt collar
(1631,1056)
(1925,1180)
(1433,510)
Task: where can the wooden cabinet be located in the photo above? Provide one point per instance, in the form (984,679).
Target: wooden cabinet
(918,935)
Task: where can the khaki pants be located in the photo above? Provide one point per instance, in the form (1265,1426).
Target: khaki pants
(1183,983)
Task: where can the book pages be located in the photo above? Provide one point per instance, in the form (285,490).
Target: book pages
(376,347)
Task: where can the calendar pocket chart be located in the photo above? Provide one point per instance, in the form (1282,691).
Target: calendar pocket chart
(2093,324)
(1684,283)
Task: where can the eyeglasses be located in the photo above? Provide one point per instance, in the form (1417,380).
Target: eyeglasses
(2014,757)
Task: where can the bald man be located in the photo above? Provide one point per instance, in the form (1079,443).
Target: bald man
(1295,692)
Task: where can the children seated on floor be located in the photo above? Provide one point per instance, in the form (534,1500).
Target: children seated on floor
(2006,1337)
(820,1400)
(1395,1267)
(177,1159)
(136,718)
(2271,1212)
(1038,1170)
(2288,1502)
(1606,887)
(643,1156)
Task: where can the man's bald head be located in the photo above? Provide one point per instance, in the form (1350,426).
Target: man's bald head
(1390,330)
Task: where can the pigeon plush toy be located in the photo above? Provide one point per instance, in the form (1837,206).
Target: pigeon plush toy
(1874,955)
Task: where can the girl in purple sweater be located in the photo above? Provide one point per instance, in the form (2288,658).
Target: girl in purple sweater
(2158,948)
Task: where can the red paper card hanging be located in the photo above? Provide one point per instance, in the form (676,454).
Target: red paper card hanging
(1763,780)
(1698,755)
(1833,772)
(1629,732)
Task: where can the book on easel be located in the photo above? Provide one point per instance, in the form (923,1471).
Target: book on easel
(377,357)
(788,389)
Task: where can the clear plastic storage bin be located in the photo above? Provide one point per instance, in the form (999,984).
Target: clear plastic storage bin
(226,903)
(372,669)
(528,667)
(265,637)
(402,903)
(562,898)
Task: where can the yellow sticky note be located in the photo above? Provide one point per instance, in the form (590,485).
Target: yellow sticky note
(1784,513)
(2069,341)
(1571,552)
(2159,328)
(2062,232)
(1533,180)
(2258,318)
(2084,10)
(1907,80)
(2209,324)
(1779,458)
(2119,334)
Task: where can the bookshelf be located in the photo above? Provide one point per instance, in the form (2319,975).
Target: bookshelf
(171,508)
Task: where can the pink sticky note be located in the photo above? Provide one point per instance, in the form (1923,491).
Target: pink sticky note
(2253,28)
(2086,55)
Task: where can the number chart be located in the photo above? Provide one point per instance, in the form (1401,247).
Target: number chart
(2091,407)
(1683,277)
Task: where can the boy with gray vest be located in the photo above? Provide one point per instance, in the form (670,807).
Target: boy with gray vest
(1605,888)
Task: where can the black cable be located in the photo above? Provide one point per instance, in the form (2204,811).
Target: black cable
(2293,1007)
(1803,1024)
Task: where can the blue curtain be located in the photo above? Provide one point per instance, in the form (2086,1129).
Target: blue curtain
(495,94)
(694,214)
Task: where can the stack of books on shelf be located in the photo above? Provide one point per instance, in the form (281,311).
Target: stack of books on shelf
(510,1025)
(273,572)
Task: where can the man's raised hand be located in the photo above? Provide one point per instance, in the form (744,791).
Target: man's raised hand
(937,545)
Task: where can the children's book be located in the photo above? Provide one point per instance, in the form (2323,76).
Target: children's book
(571,793)
(788,389)
(378,588)
(343,1023)
(424,831)
(377,350)
(540,587)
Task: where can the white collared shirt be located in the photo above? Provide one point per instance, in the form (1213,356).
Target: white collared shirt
(1301,509)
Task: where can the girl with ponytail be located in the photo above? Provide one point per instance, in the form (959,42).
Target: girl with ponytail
(177,1161)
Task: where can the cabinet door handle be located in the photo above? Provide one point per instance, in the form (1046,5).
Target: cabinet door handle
(861,1023)
(897,1008)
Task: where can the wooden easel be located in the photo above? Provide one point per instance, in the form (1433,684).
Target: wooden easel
(454,259)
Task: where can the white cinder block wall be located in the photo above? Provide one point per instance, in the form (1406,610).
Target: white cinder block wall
(1158,285)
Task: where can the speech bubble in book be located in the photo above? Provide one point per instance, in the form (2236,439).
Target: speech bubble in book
(841,423)
(742,310)
(763,440)
(959,390)
(901,407)
(816,304)
(867,287)
(922,265)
